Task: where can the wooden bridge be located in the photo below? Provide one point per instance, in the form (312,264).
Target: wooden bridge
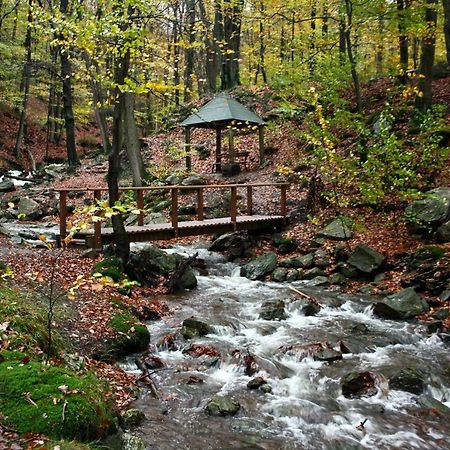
(238,220)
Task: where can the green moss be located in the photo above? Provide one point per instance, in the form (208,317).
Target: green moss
(28,320)
(132,336)
(110,267)
(54,401)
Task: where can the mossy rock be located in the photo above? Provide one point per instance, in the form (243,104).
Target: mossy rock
(110,267)
(132,336)
(51,400)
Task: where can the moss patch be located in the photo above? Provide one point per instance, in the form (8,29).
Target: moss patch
(54,401)
(110,267)
(132,336)
(27,322)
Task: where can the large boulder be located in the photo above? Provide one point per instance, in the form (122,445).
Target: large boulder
(150,263)
(443,232)
(258,268)
(401,305)
(7,186)
(340,229)
(366,260)
(358,384)
(193,328)
(408,380)
(233,244)
(222,406)
(298,262)
(273,310)
(29,209)
(429,212)
(193,180)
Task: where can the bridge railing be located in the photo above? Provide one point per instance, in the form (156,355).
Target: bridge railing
(174,192)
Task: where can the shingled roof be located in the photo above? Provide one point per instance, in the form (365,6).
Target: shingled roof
(220,112)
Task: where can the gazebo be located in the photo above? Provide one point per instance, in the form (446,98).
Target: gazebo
(223,112)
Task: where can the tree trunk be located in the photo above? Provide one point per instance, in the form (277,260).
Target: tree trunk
(25,84)
(379,53)
(121,240)
(342,49)
(425,95)
(69,121)
(351,57)
(232,15)
(189,52)
(446,6)
(262,64)
(176,52)
(402,39)
(131,139)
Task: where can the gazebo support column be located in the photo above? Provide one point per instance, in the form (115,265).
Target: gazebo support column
(261,143)
(231,155)
(218,164)
(187,148)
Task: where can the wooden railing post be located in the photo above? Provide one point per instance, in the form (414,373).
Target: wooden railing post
(200,214)
(97,225)
(249,200)
(62,216)
(140,205)
(283,200)
(174,214)
(233,206)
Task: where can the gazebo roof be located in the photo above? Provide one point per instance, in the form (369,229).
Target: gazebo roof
(220,112)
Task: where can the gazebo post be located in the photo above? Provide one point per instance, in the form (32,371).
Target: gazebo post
(218,164)
(261,143)
(187,148)
(231,145)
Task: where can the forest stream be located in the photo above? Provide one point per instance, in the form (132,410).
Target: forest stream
(305,408)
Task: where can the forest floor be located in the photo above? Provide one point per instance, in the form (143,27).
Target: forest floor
(86,317)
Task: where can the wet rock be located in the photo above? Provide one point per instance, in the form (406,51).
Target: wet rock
(7,186)
(340,229)
(256,383)
(279,274)
(429,212)
(266,388)
(347,270)
(307,307)
(313,273)
(153,362)
(358,384)
(273,310)
(132,418)
(222,406)
(435,326)
(298,262)
(366,260)
(338,278)
(174,179)
(30,209)
(430,403)
(132,442)
(4,231)
(445,295)
(408,380)
(197,350)
(360,328)
(193,328)
(318,281)
(261,266)
(292,275)
(441,314)
(401,305)
(328,355)
(234,244)
(443,232)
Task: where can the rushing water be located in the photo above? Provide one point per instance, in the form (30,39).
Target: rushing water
(306,409)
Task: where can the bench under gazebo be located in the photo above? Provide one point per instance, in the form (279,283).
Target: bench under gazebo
(224,113)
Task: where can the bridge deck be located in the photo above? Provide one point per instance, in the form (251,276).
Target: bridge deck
(188,228)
